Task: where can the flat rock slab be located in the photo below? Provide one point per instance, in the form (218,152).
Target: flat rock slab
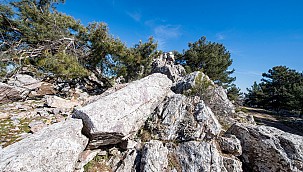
(116,116)
(54,149)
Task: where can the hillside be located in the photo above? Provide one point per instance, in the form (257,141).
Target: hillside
(163,122)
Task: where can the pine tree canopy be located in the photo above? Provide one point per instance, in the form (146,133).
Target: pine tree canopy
(211,58)
(281,89)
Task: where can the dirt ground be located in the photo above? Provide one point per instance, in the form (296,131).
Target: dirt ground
(282,122)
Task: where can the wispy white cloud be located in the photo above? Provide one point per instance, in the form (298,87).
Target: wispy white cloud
(220,36)
(236,52)
(161,43)
(164,34)
(136,15)
(167,31)
(250,73)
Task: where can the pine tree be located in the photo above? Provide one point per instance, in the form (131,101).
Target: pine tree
(137,62)
(255,96)
(211,58)
(281,89)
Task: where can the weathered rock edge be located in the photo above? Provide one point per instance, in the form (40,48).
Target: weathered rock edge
(54,149)
(268,149)
(116,116)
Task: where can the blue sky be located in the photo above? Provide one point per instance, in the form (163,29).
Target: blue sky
(258,34)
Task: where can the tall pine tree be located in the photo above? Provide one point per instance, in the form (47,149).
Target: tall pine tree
(211,58)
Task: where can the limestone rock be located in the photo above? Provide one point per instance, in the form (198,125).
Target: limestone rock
(44,89)
(232,164)
(24,81)
(11,93)
(116,116)
(219,102)
(58,102)
(172,71)
(214,96)
(154,157)
(36,126)
(188,82)
(230,144)
(201,156)
(181,118)
(269,149)
(127,162)
(84,158)
(55,148)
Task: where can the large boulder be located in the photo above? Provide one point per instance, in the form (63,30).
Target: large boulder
(55,148)
(119,115)
(11,93)
(182,118)
(269,149)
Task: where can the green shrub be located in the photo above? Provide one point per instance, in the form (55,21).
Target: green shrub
(202,84)
(63,65)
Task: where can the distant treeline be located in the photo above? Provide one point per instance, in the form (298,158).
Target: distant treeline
(281,89)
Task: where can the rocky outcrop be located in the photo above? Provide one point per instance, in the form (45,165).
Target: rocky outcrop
(189,130)
(203,156)
(269,149)
(154,157)
(186,156)
(117,116)
(219,102)
(55,148)
(182,119)
(214,96)
(168,68)
(189,81)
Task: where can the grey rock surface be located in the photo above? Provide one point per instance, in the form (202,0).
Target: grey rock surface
(189,81)
(129,162)
(230,144)
(55,148)
(154,157)
(11,93)
(116,116)
(219,102)
(269,149)
(84,158)
(58,102)
(215,96)
(24,81)
(172,71)
(232,164)
(202,156)
(182,119)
